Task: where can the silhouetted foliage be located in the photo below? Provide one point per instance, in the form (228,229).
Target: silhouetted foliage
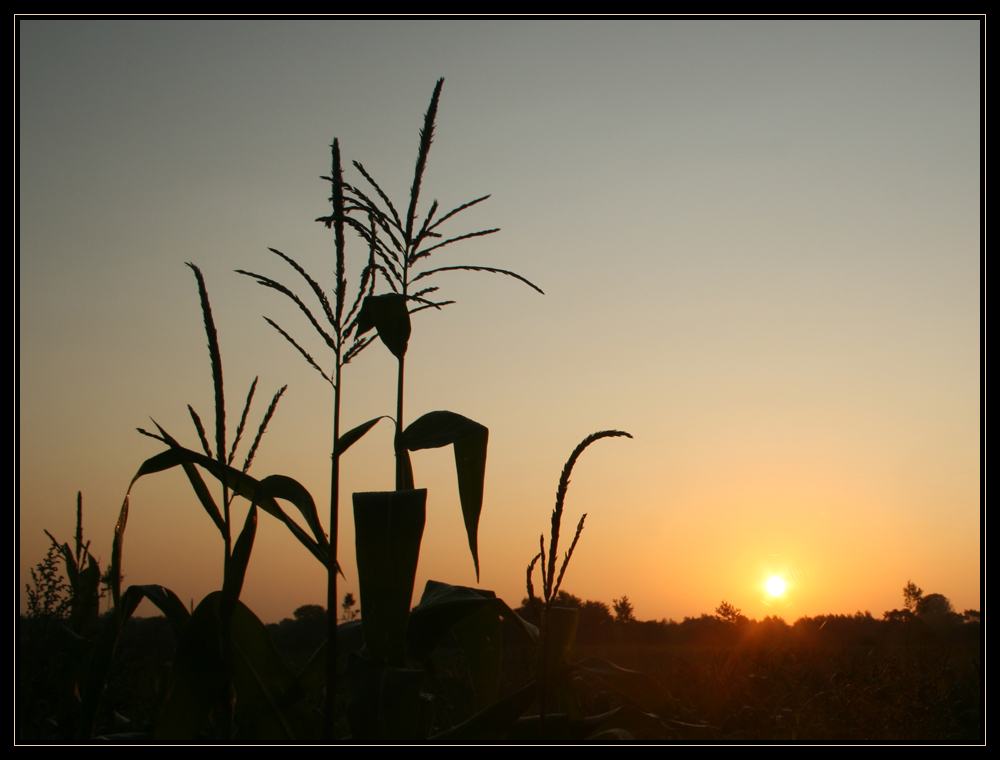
(936,608)
(310,614)
(49,593)
(624,612)
(911,595)
(349,613)
(730,614)
(898,616)
(305,633)
(972,616)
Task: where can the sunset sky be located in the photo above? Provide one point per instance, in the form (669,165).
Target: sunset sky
(759,243)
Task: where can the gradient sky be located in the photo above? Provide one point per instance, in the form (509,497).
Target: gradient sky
(759,243)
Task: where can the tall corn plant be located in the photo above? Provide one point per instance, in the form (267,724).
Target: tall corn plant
(401,247)
(200,679)
(338,329)
(557,635)
(394,249)
(224,648)
(223,454)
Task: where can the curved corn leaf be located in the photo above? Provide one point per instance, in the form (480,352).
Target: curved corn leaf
(97,662)
(282,487)
(166,600)
(436,429)
(245,486)
(389,315)
(443,605)
(197,483)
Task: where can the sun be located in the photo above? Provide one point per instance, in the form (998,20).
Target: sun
(775,586)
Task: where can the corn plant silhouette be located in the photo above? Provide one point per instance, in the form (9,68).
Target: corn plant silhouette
(223,647)
(224,454)
(399,245)
(343,338)
(557,635)
(394,249)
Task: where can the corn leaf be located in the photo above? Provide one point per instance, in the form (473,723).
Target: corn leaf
(354,435)
(270,699)
(236,565)
(245,486)
(437,429)
(389,315)
(388,527)
(199,677)
(443,605)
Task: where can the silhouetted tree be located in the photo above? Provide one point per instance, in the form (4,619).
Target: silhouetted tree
(898,616)
(972,616)
(911,595)
(935,608)
(349,613)
(565,599)
(595,614)
(624,612)
(728,612)
(310,614)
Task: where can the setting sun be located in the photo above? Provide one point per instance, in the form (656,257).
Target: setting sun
(775,586)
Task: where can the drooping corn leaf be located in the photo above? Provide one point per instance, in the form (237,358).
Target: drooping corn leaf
(95,664)
(389,315)
(282,487)
(443,605)
(200,489)
(166,600)
(436,429)
(245,486)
